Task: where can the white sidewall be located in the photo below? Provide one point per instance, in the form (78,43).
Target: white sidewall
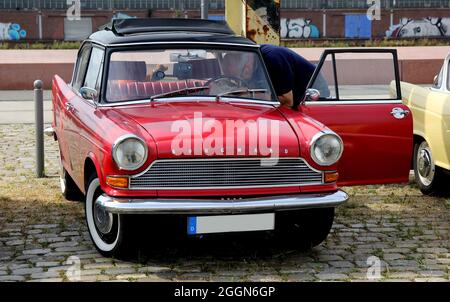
(90,219)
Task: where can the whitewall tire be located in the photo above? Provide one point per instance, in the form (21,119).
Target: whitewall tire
(106,229)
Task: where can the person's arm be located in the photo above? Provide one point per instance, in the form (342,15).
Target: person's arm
(287,99)
(282,77)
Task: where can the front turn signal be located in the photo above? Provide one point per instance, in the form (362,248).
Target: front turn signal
(117,182)
(331,177)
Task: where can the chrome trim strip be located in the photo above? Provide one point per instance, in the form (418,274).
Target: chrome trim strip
(213,206)
(356,102)
(218,158)
(225,187)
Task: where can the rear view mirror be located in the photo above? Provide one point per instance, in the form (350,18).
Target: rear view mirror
(196,54)
(89,93)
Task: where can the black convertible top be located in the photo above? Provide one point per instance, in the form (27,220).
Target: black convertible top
(136,30)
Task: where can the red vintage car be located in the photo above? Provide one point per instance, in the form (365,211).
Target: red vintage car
(157,124)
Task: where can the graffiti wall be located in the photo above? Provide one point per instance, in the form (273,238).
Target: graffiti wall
(11,32)
(299,28)
(426,27)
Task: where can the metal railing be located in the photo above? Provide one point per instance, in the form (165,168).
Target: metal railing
(215,4)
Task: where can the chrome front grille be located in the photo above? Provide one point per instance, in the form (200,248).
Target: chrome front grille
(215,173)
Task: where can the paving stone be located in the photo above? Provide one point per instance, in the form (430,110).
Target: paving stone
(328,277)
(131,276)
(152,278)
(153,269)
(330,258)
(431,279)
(15,242)
(36,252)
(404,275)
(432,273)
(12,278)
(388,257)
(94,278)
(63,244)
(119,271)
(98,266)
(341,264)
(432,250)
(44,226)
(47,280)
(300,278)
(72,233)
(90,272)
(27,271)
(45,275)
(47,264)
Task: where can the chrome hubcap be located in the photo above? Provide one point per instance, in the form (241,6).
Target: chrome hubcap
(103,220)
(425,165)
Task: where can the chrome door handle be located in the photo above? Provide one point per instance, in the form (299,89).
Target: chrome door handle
(399,113)
(69,106)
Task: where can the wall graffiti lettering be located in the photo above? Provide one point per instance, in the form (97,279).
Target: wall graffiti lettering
(426,27)
(299,28)
(12,32)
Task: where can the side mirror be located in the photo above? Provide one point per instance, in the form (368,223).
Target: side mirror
(435,80)
(311,95)
(89,93)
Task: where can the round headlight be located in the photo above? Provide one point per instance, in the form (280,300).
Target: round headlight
(326,148)
(129,152)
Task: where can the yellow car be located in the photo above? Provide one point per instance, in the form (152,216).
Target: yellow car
(431,114)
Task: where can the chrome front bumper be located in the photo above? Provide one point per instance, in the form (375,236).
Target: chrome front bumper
(212,206)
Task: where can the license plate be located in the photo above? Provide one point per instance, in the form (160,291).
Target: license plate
(230,223)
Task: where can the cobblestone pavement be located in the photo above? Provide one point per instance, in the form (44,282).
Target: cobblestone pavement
(40,232)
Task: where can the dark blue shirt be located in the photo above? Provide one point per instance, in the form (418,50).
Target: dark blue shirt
(287,70)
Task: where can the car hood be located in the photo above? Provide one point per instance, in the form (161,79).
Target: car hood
(197,129)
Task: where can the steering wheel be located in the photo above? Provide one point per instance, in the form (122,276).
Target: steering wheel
(225,83)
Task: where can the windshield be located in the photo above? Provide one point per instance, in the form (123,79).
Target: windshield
(153,74)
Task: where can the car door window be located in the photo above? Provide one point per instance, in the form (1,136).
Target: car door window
(93,73)
(82,63)
(357,76)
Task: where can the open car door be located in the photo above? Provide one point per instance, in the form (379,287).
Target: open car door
(358,103)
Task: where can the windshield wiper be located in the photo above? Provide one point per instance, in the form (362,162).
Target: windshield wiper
(179,92)
(242,91)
